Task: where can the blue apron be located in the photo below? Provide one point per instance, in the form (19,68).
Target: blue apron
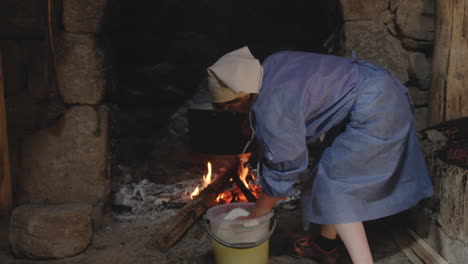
(373,169)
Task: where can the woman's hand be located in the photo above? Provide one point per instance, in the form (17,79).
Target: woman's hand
(263,205)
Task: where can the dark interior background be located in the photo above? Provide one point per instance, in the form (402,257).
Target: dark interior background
(159,50)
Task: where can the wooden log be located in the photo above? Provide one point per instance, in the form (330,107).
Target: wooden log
(416,249)
(449,92)
(176,226)
(247,193)
(5,178)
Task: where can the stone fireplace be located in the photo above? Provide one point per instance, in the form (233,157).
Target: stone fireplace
(97,92)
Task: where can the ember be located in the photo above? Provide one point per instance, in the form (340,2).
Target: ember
(233,194)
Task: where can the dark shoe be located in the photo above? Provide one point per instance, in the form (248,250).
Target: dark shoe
(306,248)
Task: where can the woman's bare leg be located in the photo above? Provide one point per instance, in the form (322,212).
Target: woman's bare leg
(355,240)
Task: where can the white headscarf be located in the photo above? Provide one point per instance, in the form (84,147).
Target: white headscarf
(235,74)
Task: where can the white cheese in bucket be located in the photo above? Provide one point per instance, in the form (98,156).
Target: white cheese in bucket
(236,212)
(238,230)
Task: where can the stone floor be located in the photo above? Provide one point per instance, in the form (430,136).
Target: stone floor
(124,243)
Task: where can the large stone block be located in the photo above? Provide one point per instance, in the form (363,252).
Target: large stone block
(416,20)
(421,118)
(80,69)
(363,9)
(420,69)
(67,162)
(443,220)
(394,4)
(417,45)
(450,186)
(83,16)
(452,189)
(372,41)
(50,231)
(418,96)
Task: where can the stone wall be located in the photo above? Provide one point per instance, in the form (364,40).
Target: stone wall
(398,35)
(57,122)
(443,220)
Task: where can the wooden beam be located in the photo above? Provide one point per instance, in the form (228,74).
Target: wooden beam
(5,178)
(449,92)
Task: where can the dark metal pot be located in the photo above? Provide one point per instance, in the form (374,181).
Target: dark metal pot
(217,132)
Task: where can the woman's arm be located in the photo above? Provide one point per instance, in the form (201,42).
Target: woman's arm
(263,205)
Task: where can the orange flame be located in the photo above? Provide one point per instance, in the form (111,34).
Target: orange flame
(233,194)
(243,174)
(207,177)
(195,192)
(206,181)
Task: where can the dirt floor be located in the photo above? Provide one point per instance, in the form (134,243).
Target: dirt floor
(124,243)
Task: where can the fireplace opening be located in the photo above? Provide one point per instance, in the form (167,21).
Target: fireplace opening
(162,124)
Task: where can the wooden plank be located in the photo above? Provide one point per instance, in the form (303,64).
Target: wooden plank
(449,93)
(425,252)
(5,178)
(404,242)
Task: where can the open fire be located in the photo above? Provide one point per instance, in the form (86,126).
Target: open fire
(237,184)
(233,194)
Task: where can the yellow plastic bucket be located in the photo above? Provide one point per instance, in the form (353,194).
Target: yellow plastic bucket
(239,241)
(228,255)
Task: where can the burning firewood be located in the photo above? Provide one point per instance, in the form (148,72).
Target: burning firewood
(165,238)
(205,195)
(247,193)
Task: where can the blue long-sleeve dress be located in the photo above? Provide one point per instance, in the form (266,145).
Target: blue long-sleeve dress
(374,168)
